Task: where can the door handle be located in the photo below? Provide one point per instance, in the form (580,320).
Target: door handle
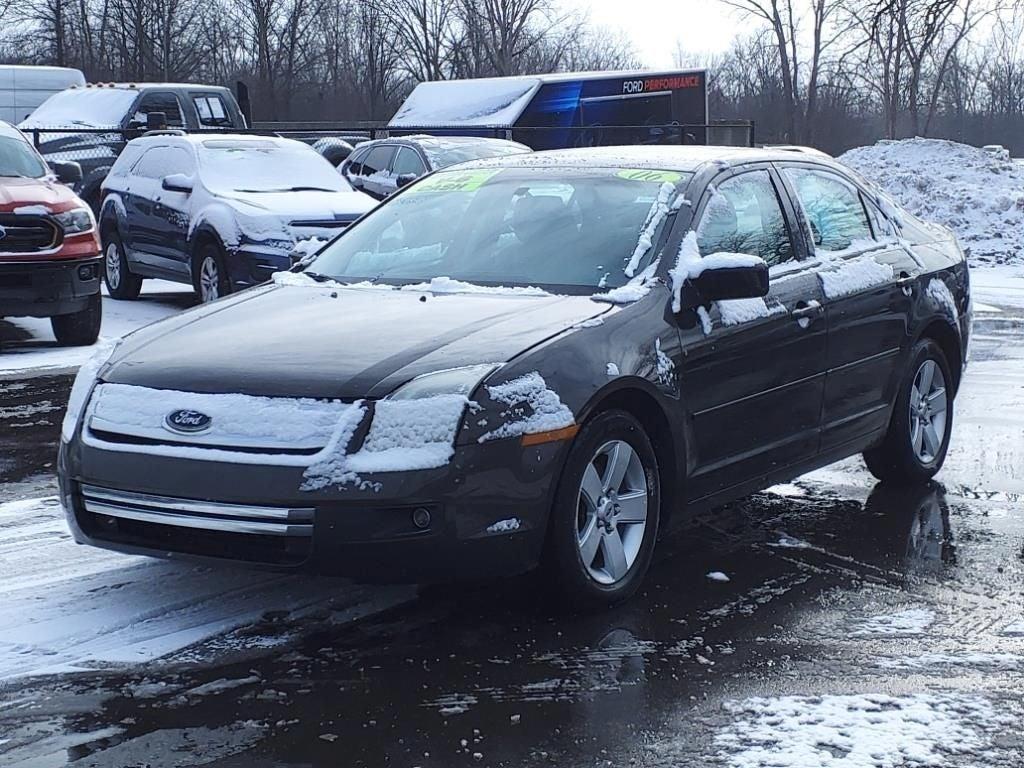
(805,312)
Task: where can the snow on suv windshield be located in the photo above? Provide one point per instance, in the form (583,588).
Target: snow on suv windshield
(18,159)
(88,108)
(266,166)
(572,228)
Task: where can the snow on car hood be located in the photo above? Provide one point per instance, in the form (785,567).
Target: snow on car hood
(19,193)
(347,343)
(289,206)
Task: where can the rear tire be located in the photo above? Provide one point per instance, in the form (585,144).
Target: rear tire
(81,328)
(209,273)
(915,445)
(121,283)
(607,507)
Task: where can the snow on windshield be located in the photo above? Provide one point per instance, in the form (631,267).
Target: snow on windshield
(483,101)
(270,165)
(443,152)
(87,108)
(18,159)
(573,229)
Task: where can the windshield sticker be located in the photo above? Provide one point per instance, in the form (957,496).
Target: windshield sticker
(455,181)
(646,174)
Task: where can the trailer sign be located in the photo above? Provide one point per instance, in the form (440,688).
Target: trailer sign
(669,83)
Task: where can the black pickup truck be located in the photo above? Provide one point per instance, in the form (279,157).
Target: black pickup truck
(90,125)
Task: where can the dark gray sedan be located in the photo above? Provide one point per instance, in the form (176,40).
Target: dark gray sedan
(543,360)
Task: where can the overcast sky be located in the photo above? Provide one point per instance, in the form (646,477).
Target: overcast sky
(655,26)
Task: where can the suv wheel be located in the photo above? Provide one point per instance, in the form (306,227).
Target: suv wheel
(81,328)
(209,275)
(605,520)
(121,283)
(915,446)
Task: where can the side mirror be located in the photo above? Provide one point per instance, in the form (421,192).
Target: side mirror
(177,182)
(405,179)
(739,281)
(67,171)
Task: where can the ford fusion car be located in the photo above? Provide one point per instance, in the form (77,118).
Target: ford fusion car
(544,360)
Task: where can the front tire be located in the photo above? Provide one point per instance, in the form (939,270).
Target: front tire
(915,445)
(605,518)
(209,273)
(121,283)
(82,328)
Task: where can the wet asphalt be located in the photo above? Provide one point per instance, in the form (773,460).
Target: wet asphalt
(495,675)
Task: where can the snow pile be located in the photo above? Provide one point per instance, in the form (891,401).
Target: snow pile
(853,276)
(665,367)
(979,195)
(941,661)
(868,731)
(483,101)
(504,526)
(736,311)
(410,434)
(913,621)
(448,285)
(531,405)
(687,259)
(638,287)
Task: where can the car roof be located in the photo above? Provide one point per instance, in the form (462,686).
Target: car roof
(148,86)
(438,142)
(688,158)
(239,140)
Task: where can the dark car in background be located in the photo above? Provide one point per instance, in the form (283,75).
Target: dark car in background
(49,251)
(543,359)
(380,167)
(220,212)
(73,124)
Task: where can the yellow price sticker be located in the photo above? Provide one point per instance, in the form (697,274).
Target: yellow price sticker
(646,174)
(455,181)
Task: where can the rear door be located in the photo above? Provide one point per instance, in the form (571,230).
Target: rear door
(868,280)
(754,368)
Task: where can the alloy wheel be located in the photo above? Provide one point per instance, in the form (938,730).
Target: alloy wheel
(209,279)
(112,263)
(612,512)
(927,411)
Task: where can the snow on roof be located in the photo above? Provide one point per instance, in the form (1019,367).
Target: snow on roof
(485,101)
(687,158)
(976,193)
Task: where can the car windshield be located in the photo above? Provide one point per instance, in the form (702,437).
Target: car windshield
(18,159)
(267,166)
(86,107)
(443,153)
(570,228)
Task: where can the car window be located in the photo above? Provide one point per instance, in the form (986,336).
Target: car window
(163,161)
(355,166)
(575,228)
(744,215)
(377,160)
(832,208)
(17,158)
(159,102)
(211,110)
(408,162)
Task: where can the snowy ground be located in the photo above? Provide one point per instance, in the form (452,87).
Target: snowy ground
(27,343)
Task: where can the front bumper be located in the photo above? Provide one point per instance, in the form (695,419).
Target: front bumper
(135,503)
(47,288)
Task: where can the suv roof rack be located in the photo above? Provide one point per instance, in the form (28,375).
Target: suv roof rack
(166,132)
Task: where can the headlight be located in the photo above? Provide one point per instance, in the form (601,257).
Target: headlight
(82,388)
(76,221)
(453,381)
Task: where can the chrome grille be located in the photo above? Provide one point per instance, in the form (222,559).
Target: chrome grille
(204,515)
(27,234)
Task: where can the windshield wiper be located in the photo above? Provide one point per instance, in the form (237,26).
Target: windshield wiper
(318,277)
(286,189)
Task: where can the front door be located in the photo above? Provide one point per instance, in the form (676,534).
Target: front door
(868,281)
(754,368)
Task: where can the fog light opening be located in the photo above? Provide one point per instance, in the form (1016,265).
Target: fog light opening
(421,518)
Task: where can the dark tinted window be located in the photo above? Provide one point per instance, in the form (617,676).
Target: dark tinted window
(159,102)
(377,160)
(832,208)
(355,167)
(743,215)
(408,162)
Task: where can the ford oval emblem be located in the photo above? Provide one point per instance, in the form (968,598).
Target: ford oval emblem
(187,421)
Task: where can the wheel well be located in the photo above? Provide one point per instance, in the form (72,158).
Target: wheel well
(202,237)
(943,334)
(645,408)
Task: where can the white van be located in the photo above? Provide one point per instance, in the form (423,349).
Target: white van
(22,89)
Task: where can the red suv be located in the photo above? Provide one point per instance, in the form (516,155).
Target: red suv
(49,247)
